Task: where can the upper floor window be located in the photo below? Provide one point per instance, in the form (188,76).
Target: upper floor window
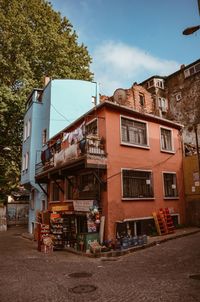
(25,131)
(55,192)
(44,136)
(166,139)
(192,70)
(155,83)
(170,184)
(141,99)
(71,187)
(137,184)
(163,104)
(159,83)
(91,127)
(25,161)
(133,132)
(28,128)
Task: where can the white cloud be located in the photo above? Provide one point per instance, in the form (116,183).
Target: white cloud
(119,65)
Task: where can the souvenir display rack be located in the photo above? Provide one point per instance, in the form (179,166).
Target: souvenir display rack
(56,229)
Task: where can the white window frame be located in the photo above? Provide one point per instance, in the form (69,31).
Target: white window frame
(159,83)
(136,198)
(163,104)
(25,131)
(177,194)
(26,160)
(133,144)
(172,140)
(28,128)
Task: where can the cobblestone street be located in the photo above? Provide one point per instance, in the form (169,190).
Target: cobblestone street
(158,273)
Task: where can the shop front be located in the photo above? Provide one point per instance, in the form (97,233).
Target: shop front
(75,226)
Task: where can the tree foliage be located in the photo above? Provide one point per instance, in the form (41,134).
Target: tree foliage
(35,41)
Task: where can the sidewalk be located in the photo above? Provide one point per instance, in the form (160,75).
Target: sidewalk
(153,241)
(150,242)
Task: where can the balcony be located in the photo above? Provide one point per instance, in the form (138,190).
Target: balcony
(89,152)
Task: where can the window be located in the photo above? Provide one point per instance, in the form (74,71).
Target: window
(166,139)
(163,104)
(27,160)
(28,128)
(55,192)
(192,70)
(170,186)
(142,99)
(44,136)
(137,184)
(25,131)
(133,132)
(91,128)
(70,187)
(24,162)
(160,83)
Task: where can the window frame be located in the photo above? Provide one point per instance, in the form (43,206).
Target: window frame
(150,198)
(69,187)
(172,140)
(28,128)
(176,196)
(142,99)
(52,193)
(134,144)
(89,123)
(44,137)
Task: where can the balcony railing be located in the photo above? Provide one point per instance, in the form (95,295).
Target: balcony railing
(91,147)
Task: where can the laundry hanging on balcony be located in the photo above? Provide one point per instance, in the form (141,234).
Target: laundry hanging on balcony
(74,136)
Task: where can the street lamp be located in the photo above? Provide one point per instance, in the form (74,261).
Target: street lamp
(191,30)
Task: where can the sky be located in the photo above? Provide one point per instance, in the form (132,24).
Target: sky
(132,40)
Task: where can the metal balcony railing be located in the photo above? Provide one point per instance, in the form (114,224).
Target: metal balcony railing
(91,146)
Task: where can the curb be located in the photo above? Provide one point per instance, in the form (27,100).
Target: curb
(118,253)
(104,256)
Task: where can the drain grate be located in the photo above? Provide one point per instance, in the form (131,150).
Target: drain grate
(195,277)
(80,275)
(83,289)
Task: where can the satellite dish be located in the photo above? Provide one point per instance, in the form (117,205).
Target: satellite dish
(119,96)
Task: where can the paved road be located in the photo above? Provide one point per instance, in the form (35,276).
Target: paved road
(159,273)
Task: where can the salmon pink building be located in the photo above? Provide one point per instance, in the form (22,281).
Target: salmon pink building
(123,162)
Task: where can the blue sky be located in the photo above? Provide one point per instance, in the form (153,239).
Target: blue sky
(131,40)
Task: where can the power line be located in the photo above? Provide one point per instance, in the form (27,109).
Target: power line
(60,114)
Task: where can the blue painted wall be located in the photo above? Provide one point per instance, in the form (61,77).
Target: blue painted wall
(63,101)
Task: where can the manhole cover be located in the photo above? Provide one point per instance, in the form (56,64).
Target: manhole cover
(80,275)
(196,277)
(83,289)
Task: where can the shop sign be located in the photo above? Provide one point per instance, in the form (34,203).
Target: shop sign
(82,205)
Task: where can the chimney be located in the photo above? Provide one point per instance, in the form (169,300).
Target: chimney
(46,80)
(182,66)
